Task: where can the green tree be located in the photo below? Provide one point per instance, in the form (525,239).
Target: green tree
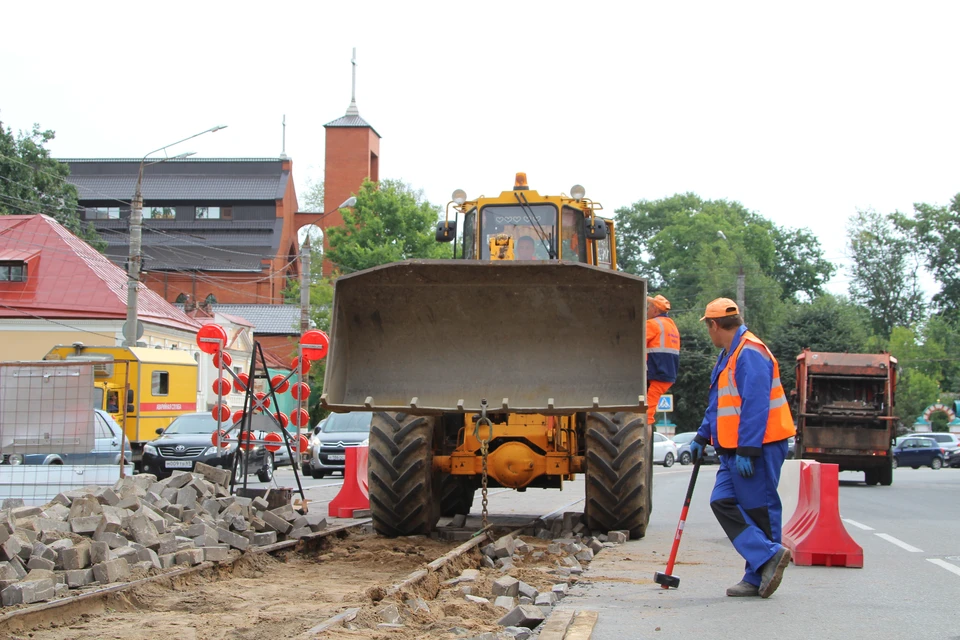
(884,272)
(673,242)
(827,324)
(937,232)
(32,182)
(312,197)
(390,222)
(697,357)
(915,392)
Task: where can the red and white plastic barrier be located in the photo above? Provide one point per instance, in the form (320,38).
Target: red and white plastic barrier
(815,534)
(355,492)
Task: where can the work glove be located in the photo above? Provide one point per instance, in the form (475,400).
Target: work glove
(745,466)
(696,450)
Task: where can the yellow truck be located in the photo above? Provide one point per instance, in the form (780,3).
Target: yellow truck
(158,385)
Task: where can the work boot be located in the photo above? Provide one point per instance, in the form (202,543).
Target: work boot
(772,572)
(743,589)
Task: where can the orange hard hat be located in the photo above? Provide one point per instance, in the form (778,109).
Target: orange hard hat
(721,308)
(659,302)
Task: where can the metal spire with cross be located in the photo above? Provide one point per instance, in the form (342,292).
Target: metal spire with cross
(283,152)
(352,109)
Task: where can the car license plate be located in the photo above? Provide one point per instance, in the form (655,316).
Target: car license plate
(179,464)
(337,457)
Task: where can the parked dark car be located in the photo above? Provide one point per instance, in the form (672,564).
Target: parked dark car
(916,452)
(683,440)
(188,440)
(953,461)
(330,439)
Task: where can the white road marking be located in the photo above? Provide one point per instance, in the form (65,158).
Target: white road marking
(686,471)
(547,515)
(952,568)
(900,543)
(857,524)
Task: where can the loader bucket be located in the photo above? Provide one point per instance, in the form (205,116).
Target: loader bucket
(431,336)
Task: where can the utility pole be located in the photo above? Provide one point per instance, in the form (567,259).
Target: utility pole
(133,265)
(305,285)
(740,291)
(136,238)
(741,278)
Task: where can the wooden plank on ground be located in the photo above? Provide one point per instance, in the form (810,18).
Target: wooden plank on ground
(582,627)
(347,615)
(555,628)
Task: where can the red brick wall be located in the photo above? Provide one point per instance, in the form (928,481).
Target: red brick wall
(349,155)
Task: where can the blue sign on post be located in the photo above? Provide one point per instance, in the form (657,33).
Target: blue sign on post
(665,403)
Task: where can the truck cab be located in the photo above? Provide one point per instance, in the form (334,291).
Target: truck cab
(143,389)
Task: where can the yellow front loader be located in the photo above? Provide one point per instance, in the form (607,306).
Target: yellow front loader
(517,363)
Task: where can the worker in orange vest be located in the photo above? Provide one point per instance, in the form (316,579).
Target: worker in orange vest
(663,352)
(748,421)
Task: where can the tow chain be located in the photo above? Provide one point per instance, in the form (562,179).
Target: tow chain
(484,452)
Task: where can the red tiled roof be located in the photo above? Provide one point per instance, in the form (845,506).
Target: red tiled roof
(72,279)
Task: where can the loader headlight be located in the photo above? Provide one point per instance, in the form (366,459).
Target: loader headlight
(459,196)
(577,192)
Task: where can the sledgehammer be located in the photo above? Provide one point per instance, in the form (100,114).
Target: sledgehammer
(666,580)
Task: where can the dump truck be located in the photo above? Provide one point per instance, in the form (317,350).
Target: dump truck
(844,404)
(157,385)
(518,362)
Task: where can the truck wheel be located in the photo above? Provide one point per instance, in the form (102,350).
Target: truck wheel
(401,474)
(618,469)
(871,477)
(885,474)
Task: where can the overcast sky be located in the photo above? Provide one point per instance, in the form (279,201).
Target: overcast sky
(802,111)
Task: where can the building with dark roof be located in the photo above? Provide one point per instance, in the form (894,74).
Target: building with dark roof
(213,229)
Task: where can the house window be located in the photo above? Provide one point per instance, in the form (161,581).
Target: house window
(159,213)
(13,271)
(102,213)
(226,213)
(208,213)
(160,383)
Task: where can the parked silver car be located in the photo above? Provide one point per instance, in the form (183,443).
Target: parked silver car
(683,440)
(330,438)
(106,447)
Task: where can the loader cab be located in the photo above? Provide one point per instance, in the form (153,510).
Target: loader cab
(523,225)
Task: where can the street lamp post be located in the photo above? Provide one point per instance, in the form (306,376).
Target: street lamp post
(305,269)
(741,279)
(136,238)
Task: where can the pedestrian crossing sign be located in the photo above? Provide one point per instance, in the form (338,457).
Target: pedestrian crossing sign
(665,403)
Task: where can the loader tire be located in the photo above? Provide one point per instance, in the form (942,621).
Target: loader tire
(618,472)
(456,494)
(401,474)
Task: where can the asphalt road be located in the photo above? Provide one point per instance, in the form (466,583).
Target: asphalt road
(909,586)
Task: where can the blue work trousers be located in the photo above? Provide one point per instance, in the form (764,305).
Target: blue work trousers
(749,509)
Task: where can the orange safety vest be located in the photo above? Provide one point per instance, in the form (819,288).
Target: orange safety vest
(779,421)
